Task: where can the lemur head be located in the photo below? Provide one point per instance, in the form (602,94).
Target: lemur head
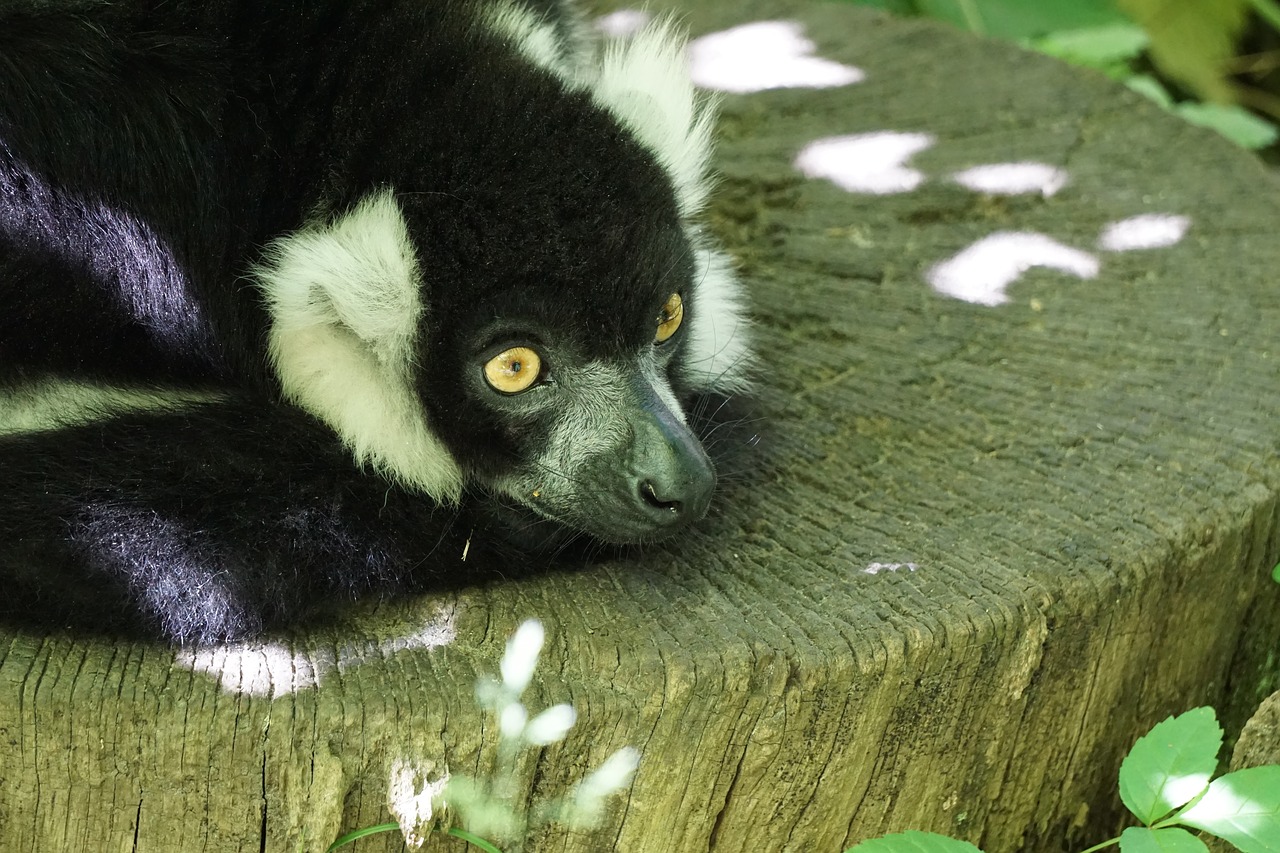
(528,318)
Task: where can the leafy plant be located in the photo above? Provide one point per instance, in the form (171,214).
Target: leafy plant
(1189,41)
(486,805)
(1192,40)
(1117,49)
(1008,19)
(1166,782)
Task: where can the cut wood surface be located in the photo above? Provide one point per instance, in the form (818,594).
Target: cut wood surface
(1012,499)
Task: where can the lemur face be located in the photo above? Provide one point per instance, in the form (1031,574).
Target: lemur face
(548,371)
(523,316)
(576,418)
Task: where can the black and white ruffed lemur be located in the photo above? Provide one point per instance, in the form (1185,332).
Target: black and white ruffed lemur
(306,300)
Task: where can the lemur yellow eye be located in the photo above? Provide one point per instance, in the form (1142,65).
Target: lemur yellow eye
(669,318)
(514,370)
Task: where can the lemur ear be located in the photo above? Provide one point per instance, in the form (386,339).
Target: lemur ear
(644,81)
(345,300)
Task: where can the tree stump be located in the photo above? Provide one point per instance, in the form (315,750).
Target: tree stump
(1013,500)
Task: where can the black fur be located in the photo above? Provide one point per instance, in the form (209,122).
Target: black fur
(218,522)
(221,124)
(149,151)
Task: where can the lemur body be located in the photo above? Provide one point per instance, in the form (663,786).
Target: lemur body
(298,297)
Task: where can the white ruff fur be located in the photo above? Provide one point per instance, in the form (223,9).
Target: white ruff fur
(644,81)
(345,304)
(719,357)
(537,40)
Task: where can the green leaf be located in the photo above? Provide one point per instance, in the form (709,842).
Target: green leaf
(897,7)
(1171,764)
(1139,839)
(1242,807)
(1235,123)
(913,842)
(1020,19)
(1145,84)
(1275,573)
(1097,47)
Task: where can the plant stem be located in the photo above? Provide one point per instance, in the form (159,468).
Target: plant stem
(395,827)
(473,839)
(361,833)
(1095,847)
(973,19)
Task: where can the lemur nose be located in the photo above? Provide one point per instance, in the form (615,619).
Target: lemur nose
(679,496)
(650,493)
(671,478)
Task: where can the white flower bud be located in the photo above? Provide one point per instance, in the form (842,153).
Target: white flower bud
(489,692)
(613,775)
(511,721)
(551,725)
(521,658)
